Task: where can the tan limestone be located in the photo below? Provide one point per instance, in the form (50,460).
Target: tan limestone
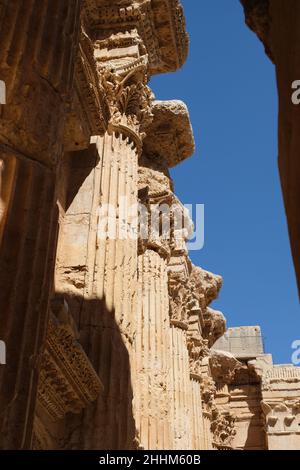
(112,342)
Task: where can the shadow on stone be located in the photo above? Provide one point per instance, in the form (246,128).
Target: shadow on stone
(108,423)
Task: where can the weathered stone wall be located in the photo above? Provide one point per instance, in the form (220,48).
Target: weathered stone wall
(263,397)
(276,22)
(39,43)
(243,342)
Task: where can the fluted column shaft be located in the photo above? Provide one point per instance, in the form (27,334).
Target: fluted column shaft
(115,284)
(38,44)
(197,416)
(98,276)
(153,353)
(207,432)
(182,391)
(26,259)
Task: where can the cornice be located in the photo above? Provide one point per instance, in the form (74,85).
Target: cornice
(160,24)
(170,136)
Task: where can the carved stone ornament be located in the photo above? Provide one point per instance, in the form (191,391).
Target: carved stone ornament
(223,428)
(159,23)
(68,382)
(129,100)
(281,416)
(223,366)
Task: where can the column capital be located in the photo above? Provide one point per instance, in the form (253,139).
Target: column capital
(122,67)
(129,100)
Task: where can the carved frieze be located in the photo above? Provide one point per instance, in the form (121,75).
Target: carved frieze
(274,375)
(281,416)
(68,382)
(89,87)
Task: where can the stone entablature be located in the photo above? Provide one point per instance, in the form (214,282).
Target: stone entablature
(264,396)
(282,373)
(282,417)
(159,23)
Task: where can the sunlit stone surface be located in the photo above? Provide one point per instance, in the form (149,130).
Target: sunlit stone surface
(111,341)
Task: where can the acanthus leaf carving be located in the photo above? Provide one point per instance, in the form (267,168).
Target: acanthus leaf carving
(122,65)
(128,96)
(223,428)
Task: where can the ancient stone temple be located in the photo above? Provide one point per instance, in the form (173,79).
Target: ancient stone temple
(111,341)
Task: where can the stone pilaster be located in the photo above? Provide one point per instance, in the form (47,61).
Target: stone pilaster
(182,393)
(26,259)
(197,348)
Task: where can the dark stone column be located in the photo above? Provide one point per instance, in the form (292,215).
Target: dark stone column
(38,47)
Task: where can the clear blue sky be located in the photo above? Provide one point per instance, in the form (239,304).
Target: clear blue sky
(229,86)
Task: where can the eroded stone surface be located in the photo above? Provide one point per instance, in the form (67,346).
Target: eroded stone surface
(116,332)
(276,22)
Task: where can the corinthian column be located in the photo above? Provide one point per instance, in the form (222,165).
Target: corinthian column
(183,405)
(107,326)
(153,347)
(162,356)
(205,327)
(98,276)
(197,348)
(97,256)
(38,47)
